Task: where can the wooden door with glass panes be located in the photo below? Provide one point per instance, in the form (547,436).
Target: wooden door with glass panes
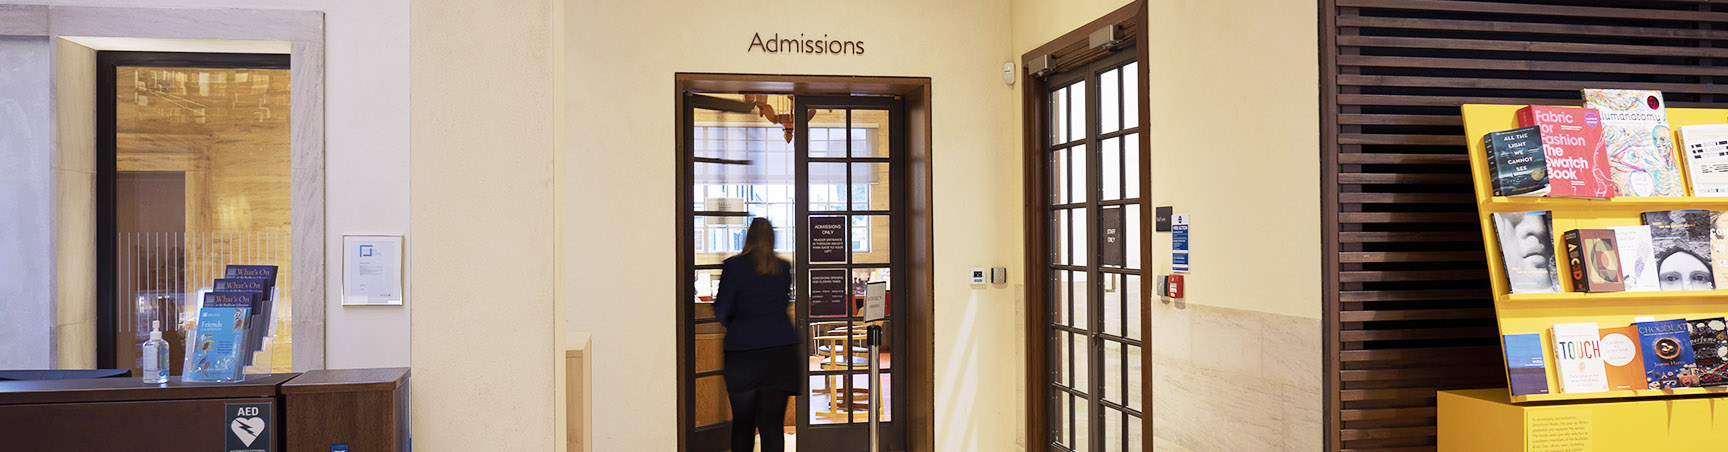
(835,167)
(1093,212)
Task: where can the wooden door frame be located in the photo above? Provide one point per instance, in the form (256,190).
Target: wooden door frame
(1071,51)
(919,364)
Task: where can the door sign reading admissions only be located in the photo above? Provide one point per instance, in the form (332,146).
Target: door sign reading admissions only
(246,427)
(1179,243)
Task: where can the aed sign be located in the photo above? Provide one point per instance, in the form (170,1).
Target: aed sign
(775,43)
(246,427)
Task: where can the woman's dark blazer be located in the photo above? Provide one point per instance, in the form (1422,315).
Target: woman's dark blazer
(752,306)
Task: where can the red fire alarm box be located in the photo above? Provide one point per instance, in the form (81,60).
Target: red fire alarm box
(1173,286)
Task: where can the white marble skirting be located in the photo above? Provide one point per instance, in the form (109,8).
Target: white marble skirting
(1234,380)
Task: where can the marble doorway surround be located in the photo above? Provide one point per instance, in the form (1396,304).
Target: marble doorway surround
(76,34)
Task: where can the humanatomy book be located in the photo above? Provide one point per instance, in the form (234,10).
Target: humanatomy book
(1704,149)
(1639,144)
(1526,242)
(1572,141)
(1578,358)
(1637,258)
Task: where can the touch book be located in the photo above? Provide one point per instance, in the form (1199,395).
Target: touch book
(1572,141)
(1638,142)
(1578,357)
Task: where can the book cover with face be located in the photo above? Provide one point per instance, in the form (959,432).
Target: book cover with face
(1526,241)
(1681,241)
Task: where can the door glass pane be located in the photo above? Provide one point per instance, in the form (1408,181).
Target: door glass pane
(1082,426)
(870,238)
(1112,303)
(1077,191)
(1060,295)
(870,133)
(1079,294)
(1082,356)
(1110,171)
(1064,416)
(828,189)
(1131,236)
(201,182)
(828,137)
(1077,110)
(1131,165)
(1109,117)
(1132,292)
(1134,379)
(1131,92)
(1060,358)
(1059,177)
(712,407)
(1079,229)
(870,187)
(1113,372)
(1134,432)
(1064,240)
(1113,430)
(1059,116)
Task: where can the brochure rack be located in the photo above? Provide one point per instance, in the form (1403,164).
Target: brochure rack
(1536,313)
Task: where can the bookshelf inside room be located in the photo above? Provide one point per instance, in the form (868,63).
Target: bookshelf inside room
(1538,312)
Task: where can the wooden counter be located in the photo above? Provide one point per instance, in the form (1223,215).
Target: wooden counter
(126,414)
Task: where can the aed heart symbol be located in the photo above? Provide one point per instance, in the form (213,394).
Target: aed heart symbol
(247,429)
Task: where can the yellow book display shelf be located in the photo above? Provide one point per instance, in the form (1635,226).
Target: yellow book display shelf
(1483,420)
(1536,313)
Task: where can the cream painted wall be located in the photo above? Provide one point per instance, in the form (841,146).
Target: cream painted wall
(366,155)
(1247,76)
(617,199)
(487,330)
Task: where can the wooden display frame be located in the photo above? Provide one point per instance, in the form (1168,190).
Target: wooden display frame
(1536,313)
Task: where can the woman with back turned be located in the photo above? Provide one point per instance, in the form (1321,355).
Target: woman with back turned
(761,346)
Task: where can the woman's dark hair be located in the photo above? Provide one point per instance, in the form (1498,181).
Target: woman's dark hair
(759,245)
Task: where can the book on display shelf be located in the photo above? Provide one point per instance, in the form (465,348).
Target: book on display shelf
(1572,140)
(1578,357)
(1666,346)
(264,311)
(1526,242)
(1516,161)
(1637,258)
(1705,151)
(1709,350)
(217,343)
(1620,357)
(1638,142)
(1681,240)
(1526,371)
(1592,260)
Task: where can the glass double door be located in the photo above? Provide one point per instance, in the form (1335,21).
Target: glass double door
(826,172)
(1092,215)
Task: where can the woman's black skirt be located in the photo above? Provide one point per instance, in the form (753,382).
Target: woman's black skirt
(763,368)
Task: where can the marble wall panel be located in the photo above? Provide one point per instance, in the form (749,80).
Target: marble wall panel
(1235,380)
(26,203)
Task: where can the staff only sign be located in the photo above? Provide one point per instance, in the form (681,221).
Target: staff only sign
(802,44)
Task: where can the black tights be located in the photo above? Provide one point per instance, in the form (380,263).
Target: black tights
(759,410)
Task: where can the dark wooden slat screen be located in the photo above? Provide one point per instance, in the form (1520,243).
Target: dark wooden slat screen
(1407,300)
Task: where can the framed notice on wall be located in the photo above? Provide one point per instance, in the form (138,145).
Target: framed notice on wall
(372,270)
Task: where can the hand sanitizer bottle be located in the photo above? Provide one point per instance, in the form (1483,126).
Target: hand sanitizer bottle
(155,355)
